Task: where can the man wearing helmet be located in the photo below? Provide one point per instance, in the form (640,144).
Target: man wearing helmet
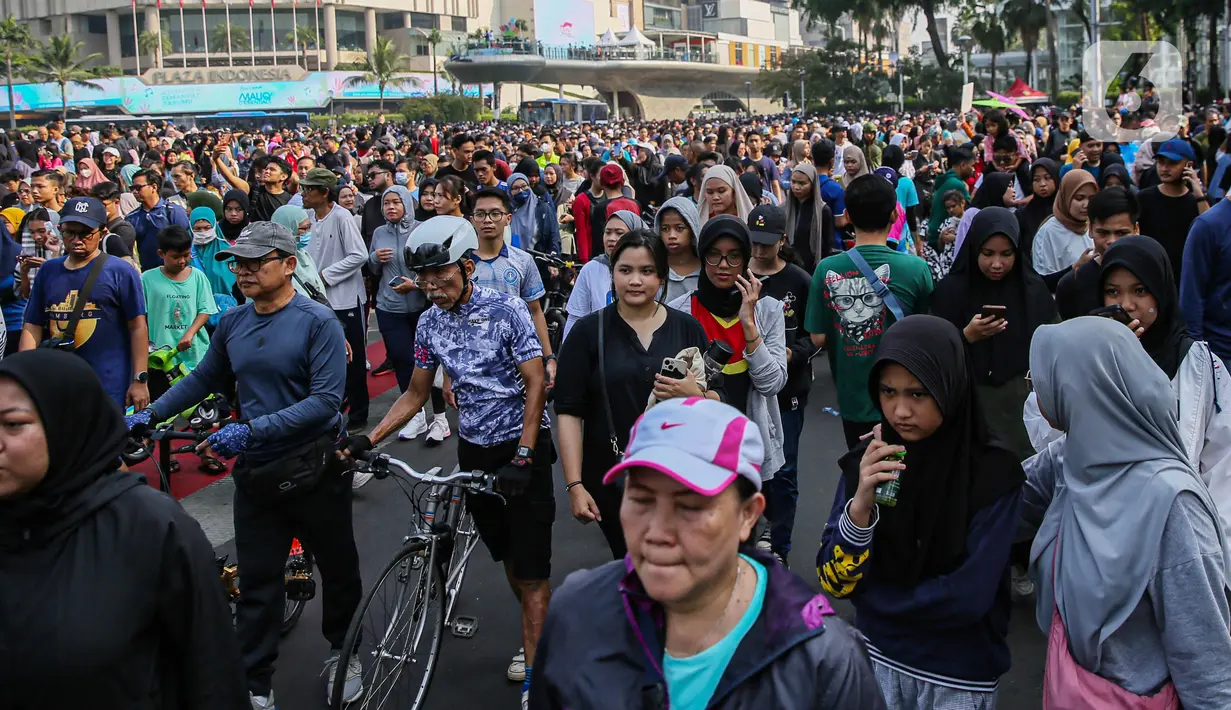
(488,346)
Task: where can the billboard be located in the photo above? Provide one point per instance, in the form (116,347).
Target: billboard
(132,95)
(561,23)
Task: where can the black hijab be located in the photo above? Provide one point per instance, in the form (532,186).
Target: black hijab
(1032,216)
(991,190)
(950,476)
(1110,168)
(230,232)
(27,152)
(85,436)
(723,303)
(1167,340)
(965,290)
(421,214)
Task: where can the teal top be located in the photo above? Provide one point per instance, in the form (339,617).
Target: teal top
(691,681)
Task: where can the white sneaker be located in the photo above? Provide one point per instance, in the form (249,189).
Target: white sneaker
(1022,586)
(360,480)
(525,700)
(262,702)
(438,430)
(414,427)
(517,669)
(763,542)
(352,690)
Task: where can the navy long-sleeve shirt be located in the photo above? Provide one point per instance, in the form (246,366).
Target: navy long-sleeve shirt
(291,369)
(1205,279)
(147,224)
(954,625)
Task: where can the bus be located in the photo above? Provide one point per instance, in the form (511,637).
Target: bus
(229,120)
(547,111)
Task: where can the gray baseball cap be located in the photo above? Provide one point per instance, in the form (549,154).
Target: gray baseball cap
(259,239)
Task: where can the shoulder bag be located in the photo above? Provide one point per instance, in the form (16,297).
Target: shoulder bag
(66,340)
(879,287)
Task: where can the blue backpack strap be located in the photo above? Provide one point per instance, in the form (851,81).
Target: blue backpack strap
(879,287)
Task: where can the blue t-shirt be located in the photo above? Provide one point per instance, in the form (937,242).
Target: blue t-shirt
(512,271)
(290,366)
(102,332)
(691,681)
(832,193)
(480,344)
(908,197)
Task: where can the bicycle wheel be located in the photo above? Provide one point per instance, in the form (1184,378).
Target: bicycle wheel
(465,539)
(298,564)
(396,632)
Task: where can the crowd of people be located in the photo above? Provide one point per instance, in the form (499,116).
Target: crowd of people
(1025,326)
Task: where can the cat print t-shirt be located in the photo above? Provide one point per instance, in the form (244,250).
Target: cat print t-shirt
(843,306)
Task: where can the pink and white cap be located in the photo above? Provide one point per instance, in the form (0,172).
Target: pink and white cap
(702,443)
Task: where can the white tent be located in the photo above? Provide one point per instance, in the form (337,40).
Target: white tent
(635,39)
(608,39)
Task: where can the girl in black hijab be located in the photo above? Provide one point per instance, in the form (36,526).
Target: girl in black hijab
(427,194)
(109,595)
(991,191)
(1044,181)
(925,560)
(1113,174)
(988,271)
(1142,263)
(232,222)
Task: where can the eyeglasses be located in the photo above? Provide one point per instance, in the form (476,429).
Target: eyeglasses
(733,260)
(438,282)
(845,303)
(251,266)
(77,236)
(493,216)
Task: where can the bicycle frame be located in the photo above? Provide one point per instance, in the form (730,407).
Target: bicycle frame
(443,536)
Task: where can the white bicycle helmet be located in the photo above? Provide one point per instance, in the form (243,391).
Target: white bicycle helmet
(440,241)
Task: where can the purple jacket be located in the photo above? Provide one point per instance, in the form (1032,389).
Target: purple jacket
(602,647)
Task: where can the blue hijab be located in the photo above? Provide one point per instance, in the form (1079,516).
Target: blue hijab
(524,224)
(221,280)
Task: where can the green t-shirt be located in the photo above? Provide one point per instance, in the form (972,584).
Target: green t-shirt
(843,306)
(171,306)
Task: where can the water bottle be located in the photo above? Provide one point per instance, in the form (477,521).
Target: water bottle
(887,492)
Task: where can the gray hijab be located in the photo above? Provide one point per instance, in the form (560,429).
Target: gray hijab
(407,224)
(1124,466)
(632,220)
(687,211)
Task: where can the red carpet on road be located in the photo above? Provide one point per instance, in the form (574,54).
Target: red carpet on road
(189,479)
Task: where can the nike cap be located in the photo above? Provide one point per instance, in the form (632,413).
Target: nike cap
(702,443)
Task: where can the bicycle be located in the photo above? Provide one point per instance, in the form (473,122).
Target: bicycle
(425,578)
(300,574)
(555,302)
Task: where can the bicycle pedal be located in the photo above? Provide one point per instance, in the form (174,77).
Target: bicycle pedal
(464,627)
(300,588)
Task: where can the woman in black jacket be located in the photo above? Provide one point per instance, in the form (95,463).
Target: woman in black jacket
(109,596)
(638,333)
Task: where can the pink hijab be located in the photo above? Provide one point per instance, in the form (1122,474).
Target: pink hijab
(96,174)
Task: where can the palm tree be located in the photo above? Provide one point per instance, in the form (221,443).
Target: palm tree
(15,38)
(238,35)
(382,67)
(1029,19)
(988,31)
(303,36)
(59,62)
(521,26)
(157,43)
(433,39)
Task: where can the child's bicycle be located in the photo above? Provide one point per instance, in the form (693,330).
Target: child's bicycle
(300,576)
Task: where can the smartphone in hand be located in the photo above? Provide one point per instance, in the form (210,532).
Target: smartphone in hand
(1115,312)
(673,368)
(993,312)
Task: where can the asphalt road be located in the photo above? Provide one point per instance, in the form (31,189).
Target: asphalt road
(471,672)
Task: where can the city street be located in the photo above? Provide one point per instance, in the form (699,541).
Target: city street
(471,672)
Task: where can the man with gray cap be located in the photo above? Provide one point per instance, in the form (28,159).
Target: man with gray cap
(287,354)
(339,252)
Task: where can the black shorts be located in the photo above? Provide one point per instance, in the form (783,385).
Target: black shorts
(517,532)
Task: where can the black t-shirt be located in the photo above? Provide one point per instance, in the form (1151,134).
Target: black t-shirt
(630,371)
(467,175)
(127,234)
(1167,219)
(264,203)
(791,287)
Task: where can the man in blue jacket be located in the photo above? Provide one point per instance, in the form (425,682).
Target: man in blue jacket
(1205,289)
(153,214)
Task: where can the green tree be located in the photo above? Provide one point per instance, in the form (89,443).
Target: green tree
(157,43)
(835,74)
(382,67)
(15,38)
(305,37)
(60,62)
(433,39)
(238,35)
(830,11)
(985,27)
(1028,18)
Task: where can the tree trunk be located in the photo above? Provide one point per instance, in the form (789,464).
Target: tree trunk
(8,61)
(1215,58)
(1053,57)
(1029,61)
(929,12)
(63,102)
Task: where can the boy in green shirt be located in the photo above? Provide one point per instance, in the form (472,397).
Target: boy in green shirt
(179,299)
(846,316)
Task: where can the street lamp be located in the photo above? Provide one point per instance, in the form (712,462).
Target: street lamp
(965,42)
(748,94)
(432,48)
(801,93)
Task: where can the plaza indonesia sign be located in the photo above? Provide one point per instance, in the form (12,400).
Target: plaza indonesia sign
(224,75)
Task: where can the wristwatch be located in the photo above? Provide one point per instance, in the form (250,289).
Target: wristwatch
(549,358)
(141,377)
(524,453)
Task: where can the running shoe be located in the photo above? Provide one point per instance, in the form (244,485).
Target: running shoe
(353,688)
(414,428)
(438,430)
(517,669)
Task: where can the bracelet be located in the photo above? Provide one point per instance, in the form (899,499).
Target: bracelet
(749,341)
(569,487)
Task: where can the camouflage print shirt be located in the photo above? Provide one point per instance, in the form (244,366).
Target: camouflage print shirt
(480,344)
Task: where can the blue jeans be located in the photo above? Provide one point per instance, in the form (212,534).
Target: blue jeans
(782,491)
(398,331)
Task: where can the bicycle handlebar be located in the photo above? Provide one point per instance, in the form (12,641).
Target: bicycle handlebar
(550,259)
(380,464)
